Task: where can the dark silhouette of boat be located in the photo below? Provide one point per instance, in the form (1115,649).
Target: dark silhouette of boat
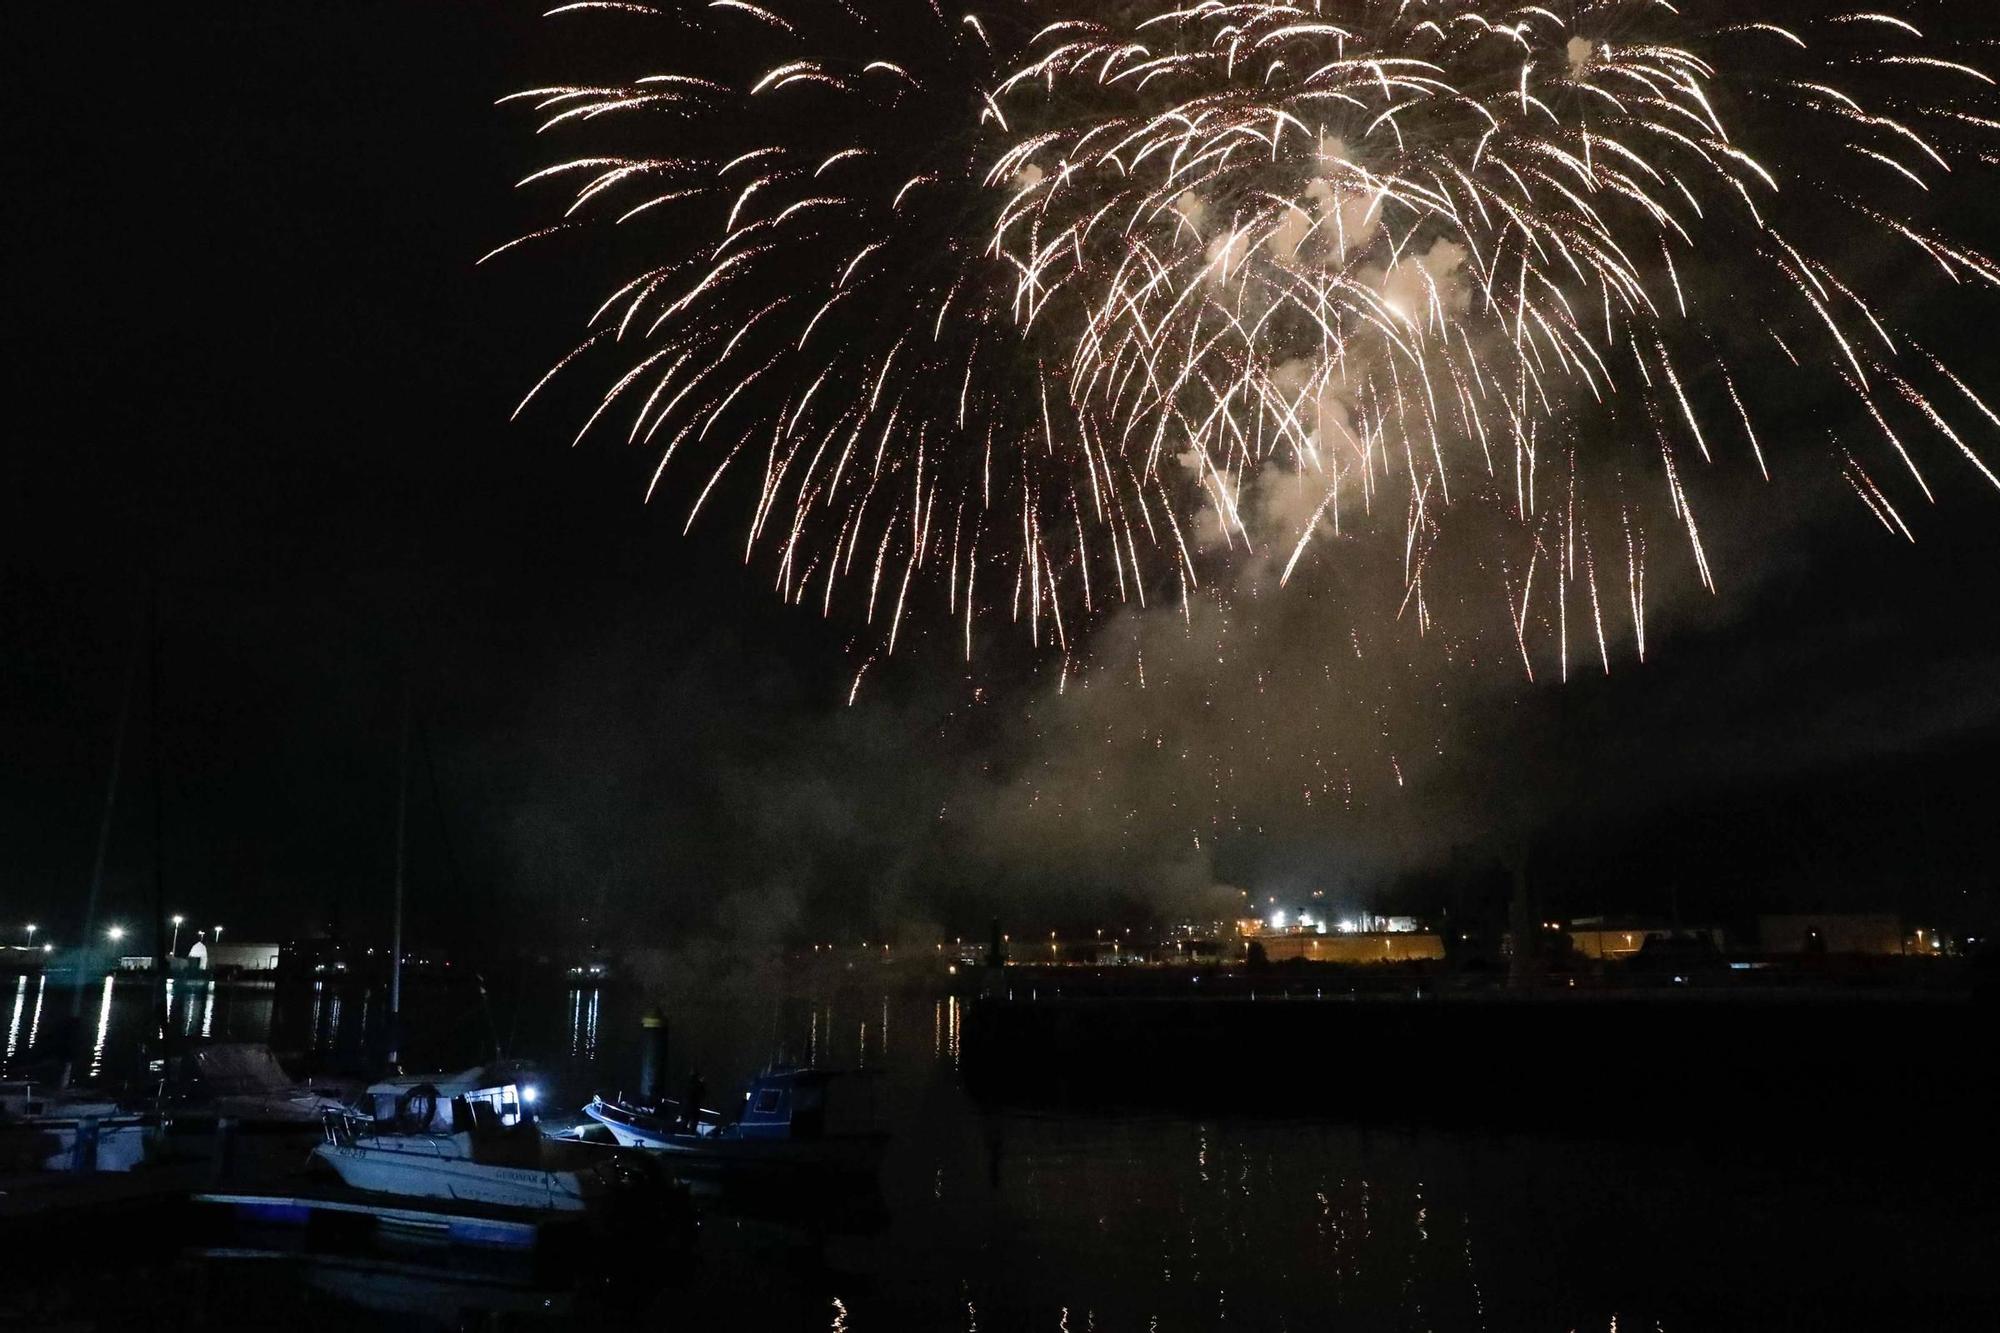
(790,1123)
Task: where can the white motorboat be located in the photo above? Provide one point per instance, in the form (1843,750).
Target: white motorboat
(463,1168)
(468,1138)
(52,1131)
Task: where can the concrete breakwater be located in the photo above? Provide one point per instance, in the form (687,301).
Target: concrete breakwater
(1796,1060)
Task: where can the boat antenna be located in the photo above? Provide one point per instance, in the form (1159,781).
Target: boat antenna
(451,864)
(88,940)
(163,1019)
(396,935)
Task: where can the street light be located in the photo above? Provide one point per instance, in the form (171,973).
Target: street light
(115,934)
(218,935)
(175,947)
(32,928)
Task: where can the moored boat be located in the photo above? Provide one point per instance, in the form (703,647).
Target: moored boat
(47,1131)
(793,1122)
(462,1138)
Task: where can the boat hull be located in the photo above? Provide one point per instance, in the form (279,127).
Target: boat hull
(428,1170)
(58,1143)
(723,1153)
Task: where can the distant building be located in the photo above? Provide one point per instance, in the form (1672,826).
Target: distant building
(1612,937)
(235,957)
(1280,924)
(1833,932)
(1403,946)
(1196,949)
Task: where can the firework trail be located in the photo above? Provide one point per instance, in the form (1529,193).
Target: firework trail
(1019,319)
(815,326)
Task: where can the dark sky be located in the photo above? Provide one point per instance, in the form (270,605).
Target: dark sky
(258,382)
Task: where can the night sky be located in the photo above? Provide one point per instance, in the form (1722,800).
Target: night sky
(259,384)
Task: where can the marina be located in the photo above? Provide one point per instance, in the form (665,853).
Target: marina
(852,666)
(965,1191)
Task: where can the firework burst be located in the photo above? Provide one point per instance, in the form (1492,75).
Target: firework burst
(1450,258)
(817,329)
(1024,323)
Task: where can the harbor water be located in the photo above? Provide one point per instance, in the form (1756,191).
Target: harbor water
(1061,1222)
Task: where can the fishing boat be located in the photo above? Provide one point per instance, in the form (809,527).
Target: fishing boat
(790,1122)
(46,1131)
(468,1138)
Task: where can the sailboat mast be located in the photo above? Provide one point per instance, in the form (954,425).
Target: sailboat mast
(163,1018)
(396,936)
(88,940)
(89,937)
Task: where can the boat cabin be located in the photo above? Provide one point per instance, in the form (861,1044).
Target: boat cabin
(18,1100)
(422,1103)
(806,1104)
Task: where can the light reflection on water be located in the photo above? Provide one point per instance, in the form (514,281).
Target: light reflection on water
(584,1002)
(1117,1223)
(35,1023)
(103,1029)
(1052,1222)
(14,1023)
(124,1015)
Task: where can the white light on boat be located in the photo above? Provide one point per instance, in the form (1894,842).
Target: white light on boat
(529,1094)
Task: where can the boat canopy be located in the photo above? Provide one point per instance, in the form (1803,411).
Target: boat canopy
(240,1068)
(422,1102)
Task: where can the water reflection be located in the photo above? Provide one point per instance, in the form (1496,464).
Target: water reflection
(583,1006)
(1120,1223)
(188,1009)
(14,1023)
(35,1023)
(103,1029)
